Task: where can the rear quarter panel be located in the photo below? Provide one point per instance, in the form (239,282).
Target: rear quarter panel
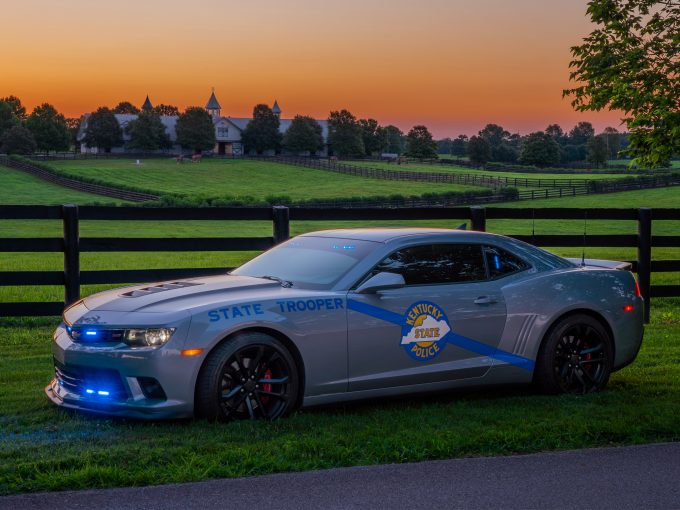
(535,303)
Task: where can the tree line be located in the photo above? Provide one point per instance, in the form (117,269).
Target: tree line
(348,137)
(541,148)
(45,130)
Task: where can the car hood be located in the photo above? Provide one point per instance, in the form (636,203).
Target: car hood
(175,295)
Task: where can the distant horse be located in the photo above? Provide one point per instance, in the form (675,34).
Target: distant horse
(196,158)
(179,159)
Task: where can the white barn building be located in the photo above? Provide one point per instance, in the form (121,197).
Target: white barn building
(227,129)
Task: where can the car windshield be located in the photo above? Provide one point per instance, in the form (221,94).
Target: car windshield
(308,262)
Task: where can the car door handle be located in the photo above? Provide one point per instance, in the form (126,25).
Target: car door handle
(485,300)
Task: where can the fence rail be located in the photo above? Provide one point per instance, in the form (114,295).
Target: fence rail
(78,185)
(551,187)
(71,244)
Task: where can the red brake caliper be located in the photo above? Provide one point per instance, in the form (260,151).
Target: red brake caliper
(267,386)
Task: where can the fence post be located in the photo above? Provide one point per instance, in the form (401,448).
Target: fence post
(71,254)
(644,256)
(478,218)
(281,218)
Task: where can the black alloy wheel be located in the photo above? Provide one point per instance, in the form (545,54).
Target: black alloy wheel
(252,376)
(575,358)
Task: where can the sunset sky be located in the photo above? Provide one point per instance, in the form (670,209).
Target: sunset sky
(452,65)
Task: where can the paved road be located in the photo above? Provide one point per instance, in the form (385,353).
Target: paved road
(618,478)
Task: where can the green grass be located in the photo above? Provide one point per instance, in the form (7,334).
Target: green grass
(424,167)
(674,163)
(243,178)
(45,448)
(20,188)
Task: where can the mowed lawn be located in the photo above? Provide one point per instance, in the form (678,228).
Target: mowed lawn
(44,448)
(243,178)
(425,167)
(19,188)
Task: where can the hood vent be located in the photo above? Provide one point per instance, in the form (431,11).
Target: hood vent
(158,288)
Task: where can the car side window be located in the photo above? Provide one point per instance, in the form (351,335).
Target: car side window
(436,263)
(501,262)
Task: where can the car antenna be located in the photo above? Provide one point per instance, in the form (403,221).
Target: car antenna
(462,226)
(585,225)
(533,226)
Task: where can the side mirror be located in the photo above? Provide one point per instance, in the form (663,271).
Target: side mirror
(381,281)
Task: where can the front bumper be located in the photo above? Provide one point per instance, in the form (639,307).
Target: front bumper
(110,380)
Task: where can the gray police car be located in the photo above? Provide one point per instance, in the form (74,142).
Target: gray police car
(349,314)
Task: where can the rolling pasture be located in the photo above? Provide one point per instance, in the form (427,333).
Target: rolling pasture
(241,178)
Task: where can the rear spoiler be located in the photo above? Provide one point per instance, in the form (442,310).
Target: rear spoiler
(604,264)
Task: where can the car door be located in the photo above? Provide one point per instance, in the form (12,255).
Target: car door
(445,324)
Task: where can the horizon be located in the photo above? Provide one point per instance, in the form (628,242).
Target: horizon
(452,67)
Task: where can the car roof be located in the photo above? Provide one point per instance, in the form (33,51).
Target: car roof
(385,234)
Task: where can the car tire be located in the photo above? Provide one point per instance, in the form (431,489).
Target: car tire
(250,376)
(576,357)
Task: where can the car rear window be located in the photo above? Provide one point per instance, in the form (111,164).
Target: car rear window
(501,262)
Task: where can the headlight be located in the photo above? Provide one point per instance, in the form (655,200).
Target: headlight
(147,337)
(150,337)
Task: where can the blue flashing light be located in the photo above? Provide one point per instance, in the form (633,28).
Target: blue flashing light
(497,261)
(103,393)
(91,333)
(344,247)
(89,392)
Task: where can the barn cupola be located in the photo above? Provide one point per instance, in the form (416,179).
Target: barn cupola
(213,107)
(147,106)
(276,108)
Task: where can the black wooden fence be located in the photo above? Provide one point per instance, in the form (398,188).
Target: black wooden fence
(71,244)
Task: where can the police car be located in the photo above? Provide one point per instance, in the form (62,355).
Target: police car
(349,314)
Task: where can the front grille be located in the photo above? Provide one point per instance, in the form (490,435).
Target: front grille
(90,335)
(97,383)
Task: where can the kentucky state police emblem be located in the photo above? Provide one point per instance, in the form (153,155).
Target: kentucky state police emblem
(425,328)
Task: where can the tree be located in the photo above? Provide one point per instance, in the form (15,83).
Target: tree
(395,140)
(570,153)
(49,128)
(195,130)
(126,107)
(18,109)
(555,131)
(630,63)
(345,134)
(479,150)
(613,139)
(597,151)
(147,132)
(103,130)
(540,149)
(167,110)
(499,141)
(373,136)
(7,117)
(420,144)
(581,133)
(17,140)
(444,146)
(303,135)
(262,132)
(459,146)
